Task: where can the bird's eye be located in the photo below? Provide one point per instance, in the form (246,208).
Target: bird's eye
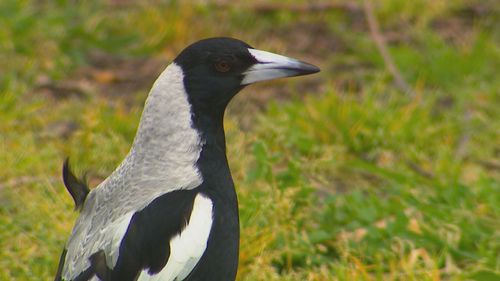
(222,66)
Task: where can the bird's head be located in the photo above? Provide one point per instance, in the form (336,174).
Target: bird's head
(216,69)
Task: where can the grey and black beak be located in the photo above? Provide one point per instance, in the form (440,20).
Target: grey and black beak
(271,66)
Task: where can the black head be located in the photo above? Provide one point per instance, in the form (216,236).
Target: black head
(216,69)
(213,69)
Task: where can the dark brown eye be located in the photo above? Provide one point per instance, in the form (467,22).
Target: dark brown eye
(222,66)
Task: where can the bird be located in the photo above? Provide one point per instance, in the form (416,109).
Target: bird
(169,211)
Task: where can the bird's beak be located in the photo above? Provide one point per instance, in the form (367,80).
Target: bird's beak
(271,66)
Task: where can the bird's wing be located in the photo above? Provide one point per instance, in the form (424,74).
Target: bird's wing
(187,246)
(163,241)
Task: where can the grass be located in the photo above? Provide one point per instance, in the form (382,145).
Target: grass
(345,179)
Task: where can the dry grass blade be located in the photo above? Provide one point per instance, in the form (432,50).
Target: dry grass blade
(379,40)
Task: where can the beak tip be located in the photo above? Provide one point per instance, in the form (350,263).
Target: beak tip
(313,69)
(307,68)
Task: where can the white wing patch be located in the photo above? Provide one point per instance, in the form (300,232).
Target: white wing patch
(187,247)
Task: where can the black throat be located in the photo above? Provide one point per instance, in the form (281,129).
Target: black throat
(220,260)
(212,163)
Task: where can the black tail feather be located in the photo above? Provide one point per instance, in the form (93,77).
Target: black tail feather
(75,186)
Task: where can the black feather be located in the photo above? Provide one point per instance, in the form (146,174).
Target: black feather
(86,275)
(99,266)
(61,264)
(75,186)
(146,244)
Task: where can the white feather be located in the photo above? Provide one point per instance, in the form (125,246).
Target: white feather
(118,229)
(187,247)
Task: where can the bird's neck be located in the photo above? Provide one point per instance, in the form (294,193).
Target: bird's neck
(181,144)
(167,146)
(172,144)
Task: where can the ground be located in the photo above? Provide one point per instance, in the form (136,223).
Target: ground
(344,175)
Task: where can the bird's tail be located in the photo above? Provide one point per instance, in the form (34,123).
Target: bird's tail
(78,188)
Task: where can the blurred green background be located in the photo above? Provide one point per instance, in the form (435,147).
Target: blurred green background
(342,175)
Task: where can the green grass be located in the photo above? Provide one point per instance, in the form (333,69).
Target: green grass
(352,180)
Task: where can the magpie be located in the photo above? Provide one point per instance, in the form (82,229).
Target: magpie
(169,212)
